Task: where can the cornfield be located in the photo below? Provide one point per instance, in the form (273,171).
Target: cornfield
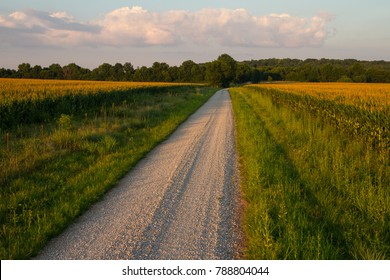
(367,96)
(362,110)
(24,101)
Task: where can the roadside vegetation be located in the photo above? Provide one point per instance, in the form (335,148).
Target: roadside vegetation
(56,161)
(315,170)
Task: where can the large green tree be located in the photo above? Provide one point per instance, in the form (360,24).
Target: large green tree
(129,70)
(55,71)
(74,72)
(221,72)
(189,71)
(24,70)
(214,74)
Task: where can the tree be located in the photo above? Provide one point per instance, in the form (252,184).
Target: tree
(128,68)
(377,75)
(191,72)
(221,72)
(357,73)
(330,72)
(104,72)
(24,70)
(186,71)
(228,68)
(311,73)
(214,74)
(55,71)
(174,73)
(118,72)
(36,72)
(243,73)
(7,73)
(143,74)
(160,73)
(72,72)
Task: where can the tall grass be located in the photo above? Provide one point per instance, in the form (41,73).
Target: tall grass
(313,191)
(46,182)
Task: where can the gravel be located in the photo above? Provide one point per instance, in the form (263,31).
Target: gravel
(182,201)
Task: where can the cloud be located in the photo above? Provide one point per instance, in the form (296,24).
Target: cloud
(38,28)
(239,27)
(136,26)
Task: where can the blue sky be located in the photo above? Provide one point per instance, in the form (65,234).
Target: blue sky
(91,32)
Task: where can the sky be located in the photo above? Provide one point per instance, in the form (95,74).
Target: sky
(92,32)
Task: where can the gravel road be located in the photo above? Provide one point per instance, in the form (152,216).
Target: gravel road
(182,201)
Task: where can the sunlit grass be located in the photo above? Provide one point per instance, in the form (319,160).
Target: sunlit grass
(313,192)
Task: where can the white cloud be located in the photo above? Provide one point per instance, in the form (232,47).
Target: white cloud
(62,15)
(37,28)
(135,26)
(138,27)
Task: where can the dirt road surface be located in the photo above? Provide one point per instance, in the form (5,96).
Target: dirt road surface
(180,202)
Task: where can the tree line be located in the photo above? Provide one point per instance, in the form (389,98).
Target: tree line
(323,70)
(223,71)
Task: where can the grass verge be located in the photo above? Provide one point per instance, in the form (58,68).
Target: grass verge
(312,191)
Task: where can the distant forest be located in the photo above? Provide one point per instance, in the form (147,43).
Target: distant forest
(222,72)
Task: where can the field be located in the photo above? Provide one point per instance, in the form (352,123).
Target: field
(366,96)
(65,143)
(314,159)
(25,101)
(315,170)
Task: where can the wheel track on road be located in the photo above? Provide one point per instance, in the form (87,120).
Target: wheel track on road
(182,201)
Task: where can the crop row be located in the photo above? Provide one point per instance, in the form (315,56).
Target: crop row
(34,105)
(371,125)
(365,96)
(20,89)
